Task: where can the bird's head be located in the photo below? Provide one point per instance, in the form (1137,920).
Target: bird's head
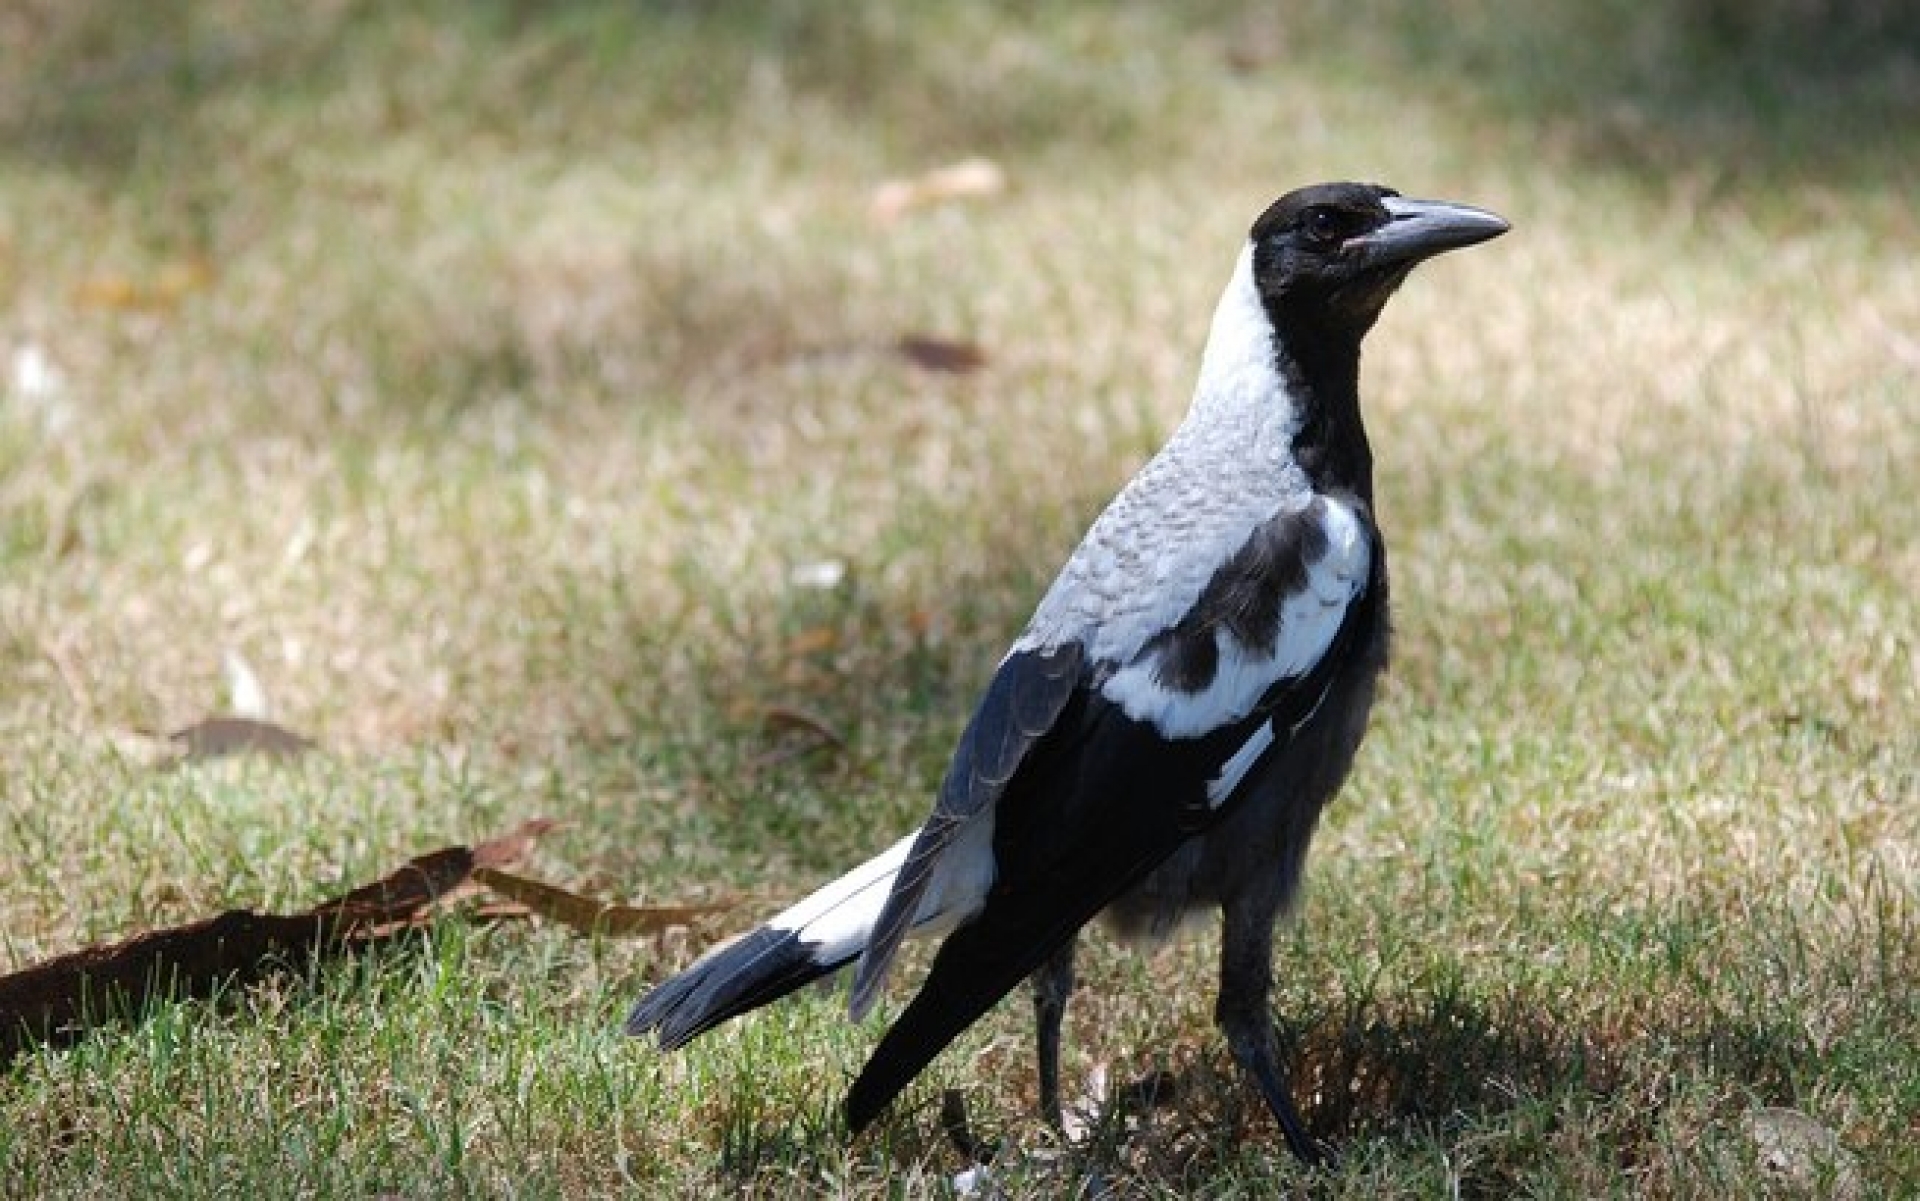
(1329,256)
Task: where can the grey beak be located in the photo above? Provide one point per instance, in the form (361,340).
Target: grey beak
(1420,229)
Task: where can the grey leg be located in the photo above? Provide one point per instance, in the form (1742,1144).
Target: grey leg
(1246,981)
(1052,985)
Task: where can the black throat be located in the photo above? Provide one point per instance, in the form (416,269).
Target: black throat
(1320,361)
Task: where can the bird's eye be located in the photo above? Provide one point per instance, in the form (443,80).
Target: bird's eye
(1321,224)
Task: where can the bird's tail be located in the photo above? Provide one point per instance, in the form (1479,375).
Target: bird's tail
(802,944)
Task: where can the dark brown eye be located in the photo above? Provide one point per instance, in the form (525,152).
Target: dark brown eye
(1321,224)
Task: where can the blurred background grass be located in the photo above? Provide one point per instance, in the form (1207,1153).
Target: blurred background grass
(482,373)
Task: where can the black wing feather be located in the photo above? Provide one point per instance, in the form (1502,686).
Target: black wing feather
(1021,706)
(759,968)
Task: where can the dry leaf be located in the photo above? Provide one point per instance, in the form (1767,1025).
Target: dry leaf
(969,179)
(216,737)
(63,998)
(816,734)
(162,292)
(812,641)
(429,878)
(595,917)
(784,717)
(941,354)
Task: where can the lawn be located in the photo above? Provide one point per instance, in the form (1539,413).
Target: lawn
(511,391)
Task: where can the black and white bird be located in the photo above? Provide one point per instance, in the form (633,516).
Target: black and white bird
(1190,692)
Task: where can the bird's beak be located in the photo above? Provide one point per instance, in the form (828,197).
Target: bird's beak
(1420,229)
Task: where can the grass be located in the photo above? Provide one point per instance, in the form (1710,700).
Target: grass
(481,372)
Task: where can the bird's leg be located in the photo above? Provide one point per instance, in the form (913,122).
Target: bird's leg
(1246,980)
(1052,985)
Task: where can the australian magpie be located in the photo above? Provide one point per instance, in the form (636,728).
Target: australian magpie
(1188,695)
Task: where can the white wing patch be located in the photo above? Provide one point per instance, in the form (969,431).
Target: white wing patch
(1309,620)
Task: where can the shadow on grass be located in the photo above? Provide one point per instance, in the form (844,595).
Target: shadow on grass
(1460,1063)
(1443,1075)
(1447,1074)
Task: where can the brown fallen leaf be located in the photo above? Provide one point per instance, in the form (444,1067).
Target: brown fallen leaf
(489,912)
(815,735)
(933,353)
(786,717)
(813,641)
(60,1000)
(161,292)
(972,178)
(218,737)
(428,879)
(589,916)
